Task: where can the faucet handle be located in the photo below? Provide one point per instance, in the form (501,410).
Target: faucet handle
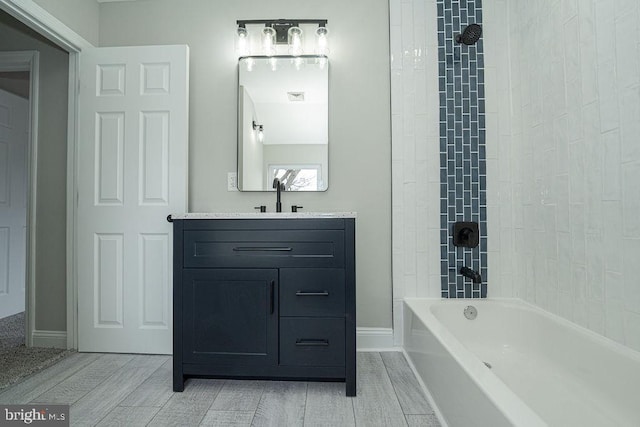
(295,208)
(262,208)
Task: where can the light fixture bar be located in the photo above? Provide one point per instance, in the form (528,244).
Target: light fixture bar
(320,22)
(281,26)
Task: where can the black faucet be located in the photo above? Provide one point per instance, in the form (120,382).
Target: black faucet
(471,274)
(279,187)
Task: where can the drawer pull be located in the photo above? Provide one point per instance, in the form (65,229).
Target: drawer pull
(312,342)
(312,294)
(272,296)
(259,249)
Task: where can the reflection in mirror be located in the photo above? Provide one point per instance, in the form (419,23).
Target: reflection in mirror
(283,123)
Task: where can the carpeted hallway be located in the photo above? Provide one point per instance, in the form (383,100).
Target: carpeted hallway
(18,361)
(12,331)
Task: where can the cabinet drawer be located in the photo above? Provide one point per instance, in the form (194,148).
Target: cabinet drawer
(312,341)
(264,248)
(312,292)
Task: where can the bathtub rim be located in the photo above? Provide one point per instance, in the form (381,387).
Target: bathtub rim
(505,400)
(522,304)
(511,406)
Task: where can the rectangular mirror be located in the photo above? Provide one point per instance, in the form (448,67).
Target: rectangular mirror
(283,123)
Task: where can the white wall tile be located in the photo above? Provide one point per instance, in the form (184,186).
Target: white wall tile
(632,330)
(614,287)
(614,321)
(608,96)
(631,249)
(589,203)
(612,237)
(611,182)
(630,124)
(627,61)
(631,199)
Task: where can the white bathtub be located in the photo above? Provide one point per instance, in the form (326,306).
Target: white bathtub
(544,369)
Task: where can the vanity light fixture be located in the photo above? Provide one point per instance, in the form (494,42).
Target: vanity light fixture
(278,32)
(260,129)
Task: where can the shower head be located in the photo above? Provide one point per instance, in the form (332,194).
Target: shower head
(470,35)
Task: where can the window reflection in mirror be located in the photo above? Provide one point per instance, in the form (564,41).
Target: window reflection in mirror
(286,99)
(297,177)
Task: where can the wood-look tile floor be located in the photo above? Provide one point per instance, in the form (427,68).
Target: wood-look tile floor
(135,390)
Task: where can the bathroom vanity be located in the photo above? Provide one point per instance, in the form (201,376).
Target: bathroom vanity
(264,296)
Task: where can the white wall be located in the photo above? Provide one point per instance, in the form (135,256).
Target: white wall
(359,116)
(569,223)
(82,16)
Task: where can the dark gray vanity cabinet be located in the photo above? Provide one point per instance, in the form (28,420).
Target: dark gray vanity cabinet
(264,298)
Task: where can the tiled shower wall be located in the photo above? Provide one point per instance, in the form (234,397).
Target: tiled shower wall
(463,174)
(416,151)
(569,171)
(563,157)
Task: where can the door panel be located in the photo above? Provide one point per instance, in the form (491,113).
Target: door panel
(230,316)
(14,137)
(132,173)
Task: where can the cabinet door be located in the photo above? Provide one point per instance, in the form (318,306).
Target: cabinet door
(230,316)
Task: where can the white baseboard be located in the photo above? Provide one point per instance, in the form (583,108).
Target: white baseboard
(57,339)
(375,339)
(367,339)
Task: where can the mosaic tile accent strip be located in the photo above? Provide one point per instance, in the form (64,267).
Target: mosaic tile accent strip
(463,170)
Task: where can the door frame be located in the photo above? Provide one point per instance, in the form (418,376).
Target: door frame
(41,21)
(28,60)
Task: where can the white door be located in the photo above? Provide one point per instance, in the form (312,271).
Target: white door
(14,137)
(132,173)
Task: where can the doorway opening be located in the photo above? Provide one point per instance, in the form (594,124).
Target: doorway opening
(19,74)
(14,148)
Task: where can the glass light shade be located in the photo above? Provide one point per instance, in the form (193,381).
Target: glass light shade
(260,133)
(322,42)
(242,42)
(295,41)
(268,41)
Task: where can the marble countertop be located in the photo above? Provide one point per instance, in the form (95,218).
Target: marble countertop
(262,215)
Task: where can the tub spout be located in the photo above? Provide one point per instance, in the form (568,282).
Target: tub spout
(471,274)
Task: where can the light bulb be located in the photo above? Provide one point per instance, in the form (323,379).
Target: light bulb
(295,41)
(260,133)
(322,42)
(268,41)
(242,42)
